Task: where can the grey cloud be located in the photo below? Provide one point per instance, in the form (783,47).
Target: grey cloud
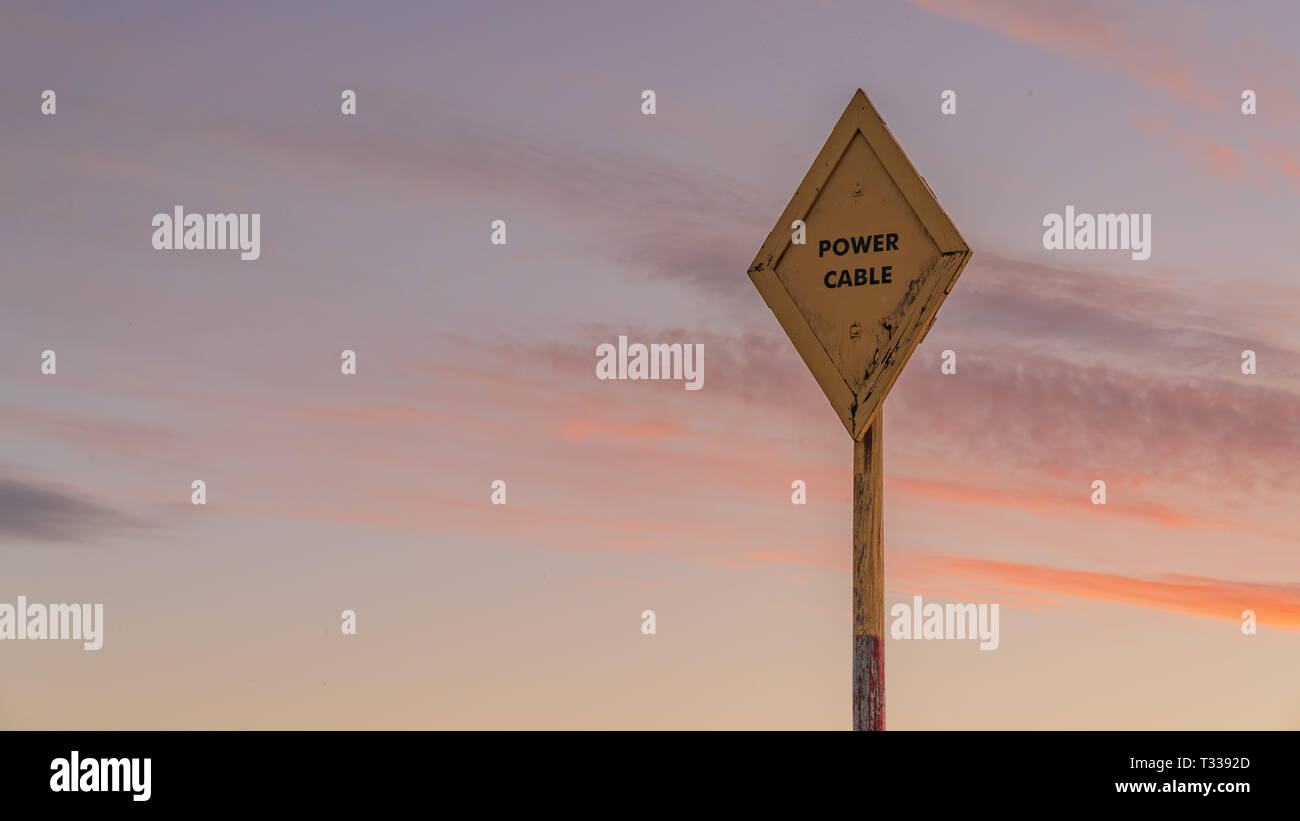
(32,512)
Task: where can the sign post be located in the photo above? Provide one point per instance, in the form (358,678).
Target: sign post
(868,581)
(855,271)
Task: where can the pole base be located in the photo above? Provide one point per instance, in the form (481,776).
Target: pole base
(868,683)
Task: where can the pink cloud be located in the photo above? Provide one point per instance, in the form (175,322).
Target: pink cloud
(1092,32)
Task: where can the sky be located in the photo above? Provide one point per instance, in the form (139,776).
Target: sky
(476,362)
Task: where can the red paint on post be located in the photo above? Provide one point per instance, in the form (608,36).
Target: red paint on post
(868,683)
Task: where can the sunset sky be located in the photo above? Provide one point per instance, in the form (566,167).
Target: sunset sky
(477,362)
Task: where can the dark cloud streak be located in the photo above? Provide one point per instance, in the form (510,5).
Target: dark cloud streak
(32,512)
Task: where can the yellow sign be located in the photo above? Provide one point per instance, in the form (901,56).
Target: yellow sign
(858,284)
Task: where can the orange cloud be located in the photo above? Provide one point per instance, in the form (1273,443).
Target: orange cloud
(978,593)
(826,557)
(1045,502)
(578,429)
(1276,605)
(1223,160)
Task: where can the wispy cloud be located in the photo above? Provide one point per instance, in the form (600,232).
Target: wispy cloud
(1047,502)
(1098,33)
(85,430)
(1258,160)
(44,513)
(1166,325)
(1276,605)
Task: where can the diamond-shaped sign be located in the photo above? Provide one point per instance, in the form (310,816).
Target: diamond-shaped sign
(879,256)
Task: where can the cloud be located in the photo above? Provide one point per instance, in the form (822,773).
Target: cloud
(692,225)
(1089,422)
(1096,33)
(1164,325)
(589,181)
(1275,605)
(31,512)
(1192,61)
(1264,164)
(91,432)
(1156,392)
(587,428)
(710,256)
(1046,502)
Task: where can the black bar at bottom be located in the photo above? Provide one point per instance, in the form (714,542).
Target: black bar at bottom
(606,772)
